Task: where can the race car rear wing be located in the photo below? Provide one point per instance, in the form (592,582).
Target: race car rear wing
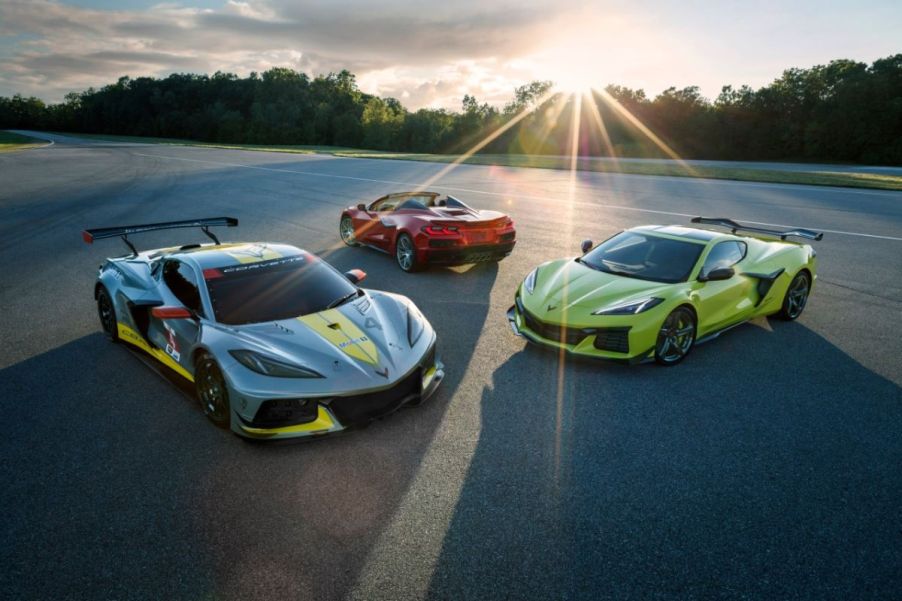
(738,227)
(123,231)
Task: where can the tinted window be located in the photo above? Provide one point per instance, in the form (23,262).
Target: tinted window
(724,254)
(181,280)
(274,290)
(646,257)
(412,203)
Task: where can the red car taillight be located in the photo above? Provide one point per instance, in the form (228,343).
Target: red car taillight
(440,230)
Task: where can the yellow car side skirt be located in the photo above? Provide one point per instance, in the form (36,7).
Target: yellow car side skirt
(132,337)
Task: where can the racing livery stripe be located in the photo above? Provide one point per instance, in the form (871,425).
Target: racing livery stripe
(254,254)
(132,337)
(324,422)
(336,328)
(427,377)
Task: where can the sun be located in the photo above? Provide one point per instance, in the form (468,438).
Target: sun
(574,62)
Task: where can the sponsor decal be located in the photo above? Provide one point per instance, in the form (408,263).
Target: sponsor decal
(346,343)
(383,373)
(172,345)
(297,259)
(551,307)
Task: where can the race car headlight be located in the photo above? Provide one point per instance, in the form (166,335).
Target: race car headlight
(530,282)
(416,323)
(630,308)
(272,367)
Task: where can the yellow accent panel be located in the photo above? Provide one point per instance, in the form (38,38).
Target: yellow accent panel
(254,253)
(427,377)
(132,337)
(322,423)
(335,327)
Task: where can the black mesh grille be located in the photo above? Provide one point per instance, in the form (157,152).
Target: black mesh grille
(471,254)
(278,413)
(364,407)
(606,339)
(507,237)
(553,331)
(613,339)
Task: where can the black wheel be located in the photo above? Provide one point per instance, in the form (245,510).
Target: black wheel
(346,229)
(107,313)
(212,391)
(676,337)
(796,296)
(406,254)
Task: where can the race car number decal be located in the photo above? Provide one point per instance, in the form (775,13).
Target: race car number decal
(172,345)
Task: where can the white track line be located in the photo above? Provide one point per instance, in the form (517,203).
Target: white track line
(502,194)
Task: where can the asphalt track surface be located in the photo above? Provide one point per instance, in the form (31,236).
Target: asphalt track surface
(767,466)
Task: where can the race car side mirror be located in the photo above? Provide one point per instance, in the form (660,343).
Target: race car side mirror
(361,207)
(723,273)
(586,246)
(171,313)
(355,275)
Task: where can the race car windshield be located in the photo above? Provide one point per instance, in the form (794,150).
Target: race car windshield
(644,257)
(276,289)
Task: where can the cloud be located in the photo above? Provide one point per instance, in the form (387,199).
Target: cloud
(426,57)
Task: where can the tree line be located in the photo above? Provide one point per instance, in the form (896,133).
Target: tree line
(844,111)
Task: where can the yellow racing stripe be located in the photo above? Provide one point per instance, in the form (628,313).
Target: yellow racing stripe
(340,331)
(132,337)
(253,253)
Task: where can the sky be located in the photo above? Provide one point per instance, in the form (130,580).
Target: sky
(429,54)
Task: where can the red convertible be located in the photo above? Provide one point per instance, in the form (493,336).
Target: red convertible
(425,228)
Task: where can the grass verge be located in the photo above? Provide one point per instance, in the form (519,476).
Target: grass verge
(818,175)
(10,142)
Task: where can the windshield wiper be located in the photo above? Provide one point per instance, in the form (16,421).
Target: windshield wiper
(343,299)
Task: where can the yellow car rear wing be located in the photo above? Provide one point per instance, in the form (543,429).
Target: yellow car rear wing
(737,227)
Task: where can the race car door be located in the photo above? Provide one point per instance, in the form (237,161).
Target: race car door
(176,336)
(725,302)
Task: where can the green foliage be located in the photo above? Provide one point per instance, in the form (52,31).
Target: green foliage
(843,111)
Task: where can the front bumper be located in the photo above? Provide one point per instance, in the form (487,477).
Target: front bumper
(340,412)
(585,345)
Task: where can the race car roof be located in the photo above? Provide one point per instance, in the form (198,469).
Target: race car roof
(210,256)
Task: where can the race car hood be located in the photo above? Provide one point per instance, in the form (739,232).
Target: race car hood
(565,287)
(351,343)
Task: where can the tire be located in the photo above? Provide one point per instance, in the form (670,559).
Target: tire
(106,311)
(676,337)
(346,231)
(406,254)
(212,391)
(796,297)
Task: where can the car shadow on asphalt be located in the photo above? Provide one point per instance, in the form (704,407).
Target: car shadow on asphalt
(116,485)
(764,466)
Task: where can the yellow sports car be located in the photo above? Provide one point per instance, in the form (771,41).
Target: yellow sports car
(656,291)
